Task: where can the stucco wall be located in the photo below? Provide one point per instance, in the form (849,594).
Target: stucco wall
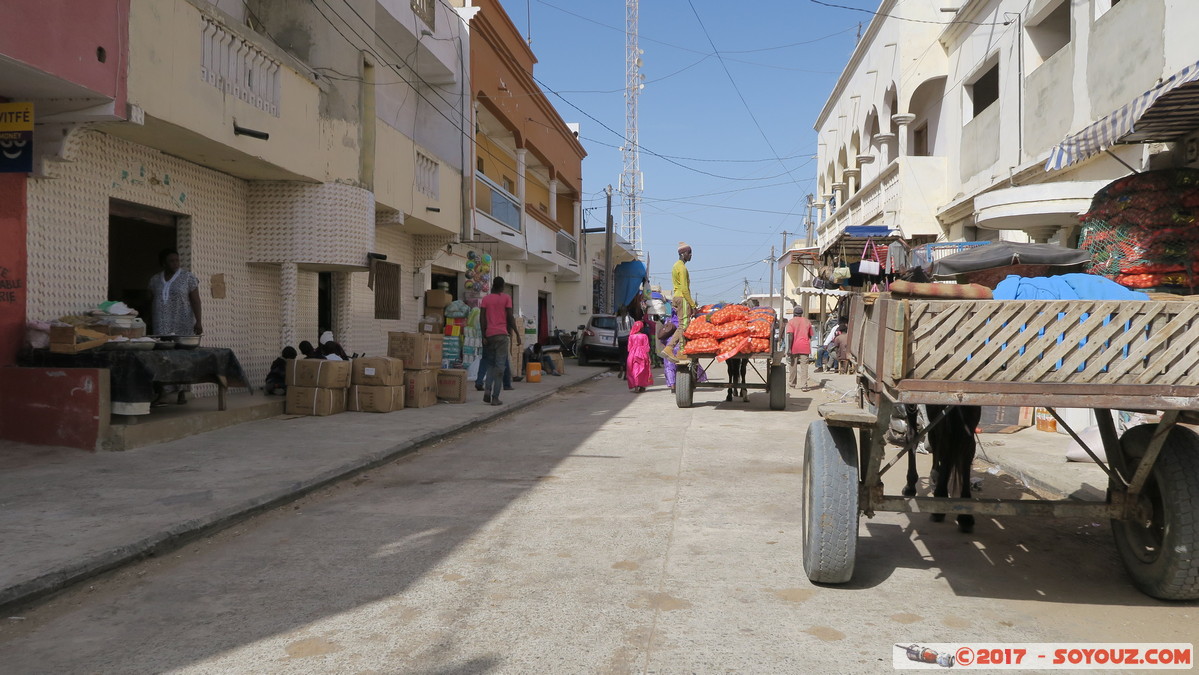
(1116,76)
(61,37)
(980,143)
(1048,107)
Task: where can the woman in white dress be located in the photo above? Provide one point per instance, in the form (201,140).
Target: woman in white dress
(175,296)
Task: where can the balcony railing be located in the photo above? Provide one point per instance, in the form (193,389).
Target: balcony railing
(428,176)
(426,10)
(862,207)
(567,246)
(496,202)
(238,68)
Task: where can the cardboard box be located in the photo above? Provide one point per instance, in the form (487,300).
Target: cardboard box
(427,326)
(363,398)
(558,361)
(437,299)
(378,371)
(420,388)
(451,385)
(318,373)
(315,401)
(419,351)
(516,361)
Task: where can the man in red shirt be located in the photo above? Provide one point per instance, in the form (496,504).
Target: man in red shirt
(799,341)
(496,320)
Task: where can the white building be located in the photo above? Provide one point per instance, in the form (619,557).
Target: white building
(941,131)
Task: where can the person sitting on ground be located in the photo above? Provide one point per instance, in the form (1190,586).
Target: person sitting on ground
(334,352)
(276,379)
(839,349)
(309,351)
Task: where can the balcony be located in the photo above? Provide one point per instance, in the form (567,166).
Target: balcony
(497,203)
(904,197)
(568,246)
(434,58)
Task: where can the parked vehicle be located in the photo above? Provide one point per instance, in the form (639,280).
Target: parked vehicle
(601,338)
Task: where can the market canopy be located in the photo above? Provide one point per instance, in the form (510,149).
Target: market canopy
(1007,253)
(1165,113)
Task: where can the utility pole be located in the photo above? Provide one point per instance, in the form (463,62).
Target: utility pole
(770,273)
(608,274)
(783,276)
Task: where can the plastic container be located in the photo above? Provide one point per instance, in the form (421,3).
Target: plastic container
(533,373)
(1045,421)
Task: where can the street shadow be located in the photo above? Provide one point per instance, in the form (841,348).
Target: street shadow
(1064,560)
(352,547)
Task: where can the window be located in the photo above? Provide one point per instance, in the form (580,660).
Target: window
(1102,6)
(479,166)
(1048,33)
(508,185)
(425,10)
(604,322)
(983,92)
(920,141)
(385,280)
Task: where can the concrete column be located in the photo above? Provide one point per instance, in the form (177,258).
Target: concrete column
(851,181)
(521,167)
(554,199)
(902,122)
(838,197)
(289,283)
(886,147)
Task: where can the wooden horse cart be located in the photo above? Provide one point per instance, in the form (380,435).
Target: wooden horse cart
(1104,355)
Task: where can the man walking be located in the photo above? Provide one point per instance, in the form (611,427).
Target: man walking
(799,340)
(495,315)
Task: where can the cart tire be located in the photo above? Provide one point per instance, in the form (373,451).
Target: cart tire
(776,386)
(684,387)
(582,357)
(830,503)
(1161,555)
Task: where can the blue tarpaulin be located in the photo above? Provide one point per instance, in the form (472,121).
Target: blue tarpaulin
(629,276)
(867,231)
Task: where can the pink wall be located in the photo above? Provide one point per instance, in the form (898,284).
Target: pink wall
(60,37)
(66,407)
(13,266)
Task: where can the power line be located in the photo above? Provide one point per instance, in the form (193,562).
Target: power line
(900,18)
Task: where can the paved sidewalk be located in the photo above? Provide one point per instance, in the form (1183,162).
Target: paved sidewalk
(66,515)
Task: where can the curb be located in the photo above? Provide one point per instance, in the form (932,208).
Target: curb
(175,536)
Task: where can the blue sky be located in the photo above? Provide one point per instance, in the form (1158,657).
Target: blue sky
(734,181)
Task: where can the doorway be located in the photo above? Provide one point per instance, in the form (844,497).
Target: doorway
(324,303)
(136,236)
(543,317)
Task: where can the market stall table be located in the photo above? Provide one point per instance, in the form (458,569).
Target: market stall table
(133,373)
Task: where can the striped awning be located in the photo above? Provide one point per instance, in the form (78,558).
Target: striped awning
(1165,113)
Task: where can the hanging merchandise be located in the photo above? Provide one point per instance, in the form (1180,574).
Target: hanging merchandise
(870,265)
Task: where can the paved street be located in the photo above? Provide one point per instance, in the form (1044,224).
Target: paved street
(598,531)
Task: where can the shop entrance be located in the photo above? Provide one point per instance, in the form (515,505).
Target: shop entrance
(448,277)
(324,303)
(543,317)
(136,235)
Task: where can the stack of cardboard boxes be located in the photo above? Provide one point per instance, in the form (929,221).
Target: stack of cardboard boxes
(433,320)
(377,385)
(316,386)
(421,354)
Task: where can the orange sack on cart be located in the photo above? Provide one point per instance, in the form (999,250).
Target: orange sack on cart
(704,345)
(729,313)
(761,328)
(730,329)
(698,328)
(731,347)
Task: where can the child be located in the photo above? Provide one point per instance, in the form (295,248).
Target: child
(276,379)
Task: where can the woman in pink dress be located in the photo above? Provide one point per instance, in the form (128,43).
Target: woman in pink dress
(639,374)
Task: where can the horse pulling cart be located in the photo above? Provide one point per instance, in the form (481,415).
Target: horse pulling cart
(1105,355)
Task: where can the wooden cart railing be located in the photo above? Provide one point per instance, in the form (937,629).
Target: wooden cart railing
(1083,353)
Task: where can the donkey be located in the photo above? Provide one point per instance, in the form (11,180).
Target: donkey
(951,440)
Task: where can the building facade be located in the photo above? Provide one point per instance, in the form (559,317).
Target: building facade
(318,166)
(940,125)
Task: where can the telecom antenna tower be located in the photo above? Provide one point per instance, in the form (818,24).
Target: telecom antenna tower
(631,180)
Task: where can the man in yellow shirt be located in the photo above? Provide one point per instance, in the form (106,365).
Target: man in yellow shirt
(684,304)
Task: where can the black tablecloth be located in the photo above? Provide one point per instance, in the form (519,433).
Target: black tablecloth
(134,372)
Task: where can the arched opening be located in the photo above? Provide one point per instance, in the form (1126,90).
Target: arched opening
(925,104)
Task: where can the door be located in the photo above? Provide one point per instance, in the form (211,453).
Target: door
(543,317)
(136,238)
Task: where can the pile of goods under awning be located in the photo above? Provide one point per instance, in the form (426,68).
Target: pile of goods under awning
(1142,230)
(729,330)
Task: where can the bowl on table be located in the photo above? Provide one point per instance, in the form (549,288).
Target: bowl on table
(187,341)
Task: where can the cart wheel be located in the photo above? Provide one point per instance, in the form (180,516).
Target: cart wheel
(776,385)
(830,503)
(684,387)
(582,358)
(1160,552)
